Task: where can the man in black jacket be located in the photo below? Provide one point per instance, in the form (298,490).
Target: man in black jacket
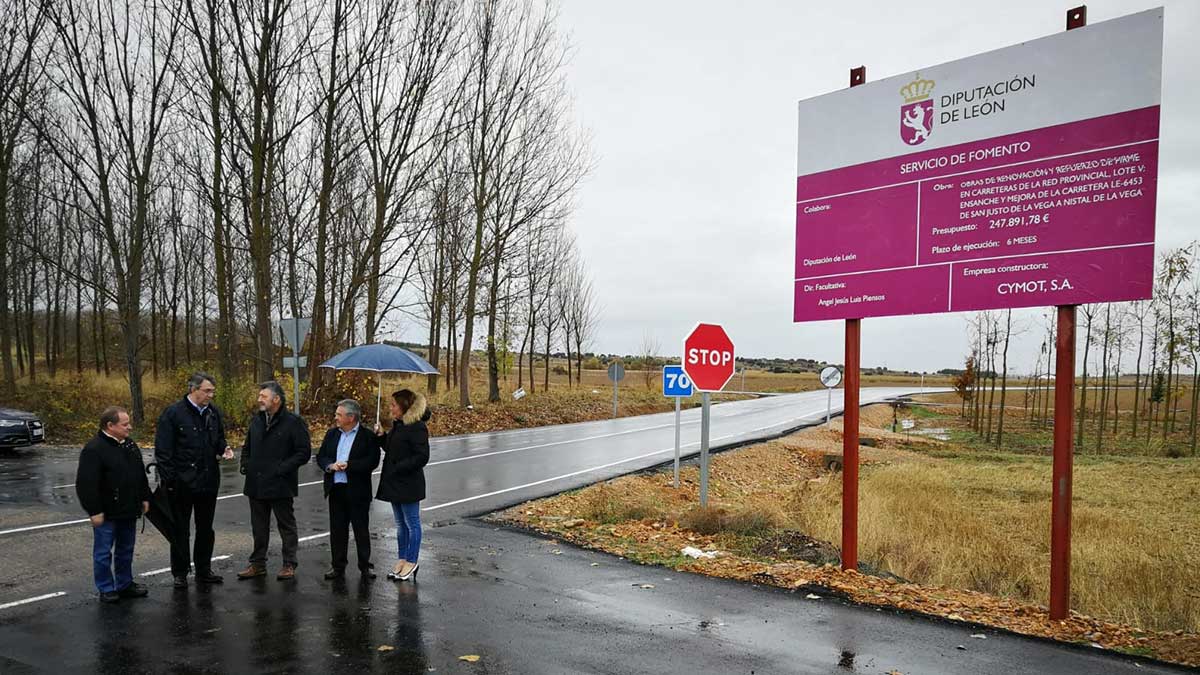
(188,443)
(277,445)
(112,487)
(348,455)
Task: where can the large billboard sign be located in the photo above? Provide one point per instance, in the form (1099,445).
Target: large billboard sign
(1025,176)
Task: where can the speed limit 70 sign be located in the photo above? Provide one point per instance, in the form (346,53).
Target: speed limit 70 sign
(676,383)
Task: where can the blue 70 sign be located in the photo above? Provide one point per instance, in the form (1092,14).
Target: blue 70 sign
(676,383)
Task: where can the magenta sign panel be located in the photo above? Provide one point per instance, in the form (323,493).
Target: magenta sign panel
(1022,177)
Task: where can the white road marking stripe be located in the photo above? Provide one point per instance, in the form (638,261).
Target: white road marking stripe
(547,445)
(31,528)
(314,536)
(168,569)
(39,598)
(59,487)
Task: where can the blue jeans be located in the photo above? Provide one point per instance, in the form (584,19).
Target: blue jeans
(113,539)
(408,530)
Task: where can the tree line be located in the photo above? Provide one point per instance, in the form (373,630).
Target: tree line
(1148,350)
(175,176)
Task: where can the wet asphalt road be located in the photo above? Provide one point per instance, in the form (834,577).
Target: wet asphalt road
(505,596)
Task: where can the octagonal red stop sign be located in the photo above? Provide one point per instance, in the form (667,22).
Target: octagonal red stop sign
(708,357)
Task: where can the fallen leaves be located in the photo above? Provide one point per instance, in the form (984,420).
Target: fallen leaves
(469,658)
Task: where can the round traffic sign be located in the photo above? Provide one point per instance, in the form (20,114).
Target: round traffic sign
(616,372)
(708,357)
(831,376)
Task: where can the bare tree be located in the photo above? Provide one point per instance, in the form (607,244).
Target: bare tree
(582,312)
(254,53)
(1141,310)
(1089,314)
(515,60)
(114,77)
(1174,271)
(648,352)
(21,68)
(1004,377)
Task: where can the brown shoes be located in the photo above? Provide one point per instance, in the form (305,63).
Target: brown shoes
(252,571)
(286,573)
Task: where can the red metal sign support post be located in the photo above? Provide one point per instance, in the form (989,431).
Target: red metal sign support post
(1064,440)
(1064,448)
(850,419)
(850,448)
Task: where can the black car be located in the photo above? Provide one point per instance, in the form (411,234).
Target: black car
(19,429)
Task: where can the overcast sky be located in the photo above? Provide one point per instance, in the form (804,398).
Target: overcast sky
(689,214)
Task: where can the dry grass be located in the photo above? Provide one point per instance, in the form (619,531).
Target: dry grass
(608,504)
(984,525)
(754,519)
(944,516)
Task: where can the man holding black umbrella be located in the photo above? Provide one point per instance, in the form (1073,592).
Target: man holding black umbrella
(188,444)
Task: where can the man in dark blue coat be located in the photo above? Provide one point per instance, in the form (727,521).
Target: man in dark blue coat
(348,456)
(277,445)
(189,442)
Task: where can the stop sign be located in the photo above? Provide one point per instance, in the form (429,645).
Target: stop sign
(708,357)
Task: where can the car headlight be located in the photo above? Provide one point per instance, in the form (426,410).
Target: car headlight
(12,423)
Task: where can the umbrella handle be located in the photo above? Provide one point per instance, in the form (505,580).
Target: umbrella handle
(378,398)
(157,473)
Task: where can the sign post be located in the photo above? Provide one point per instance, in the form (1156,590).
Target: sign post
(830,377)
(676,385)
(295,332)
(1003,180)
(616,373)
(708,360)
(850,445)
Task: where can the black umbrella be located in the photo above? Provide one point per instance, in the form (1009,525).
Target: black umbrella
(160,514)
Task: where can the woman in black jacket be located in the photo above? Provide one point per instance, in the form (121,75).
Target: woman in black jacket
(402,481)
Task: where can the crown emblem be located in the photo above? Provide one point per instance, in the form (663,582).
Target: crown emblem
(917,90)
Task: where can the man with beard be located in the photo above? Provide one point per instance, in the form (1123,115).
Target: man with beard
(277,445)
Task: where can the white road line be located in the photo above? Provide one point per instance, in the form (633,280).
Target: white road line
(39,598)
(31,528)
(168,569)
(59,487)
(547,445)
(313,536)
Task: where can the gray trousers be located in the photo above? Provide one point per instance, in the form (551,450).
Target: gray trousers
(260,524)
